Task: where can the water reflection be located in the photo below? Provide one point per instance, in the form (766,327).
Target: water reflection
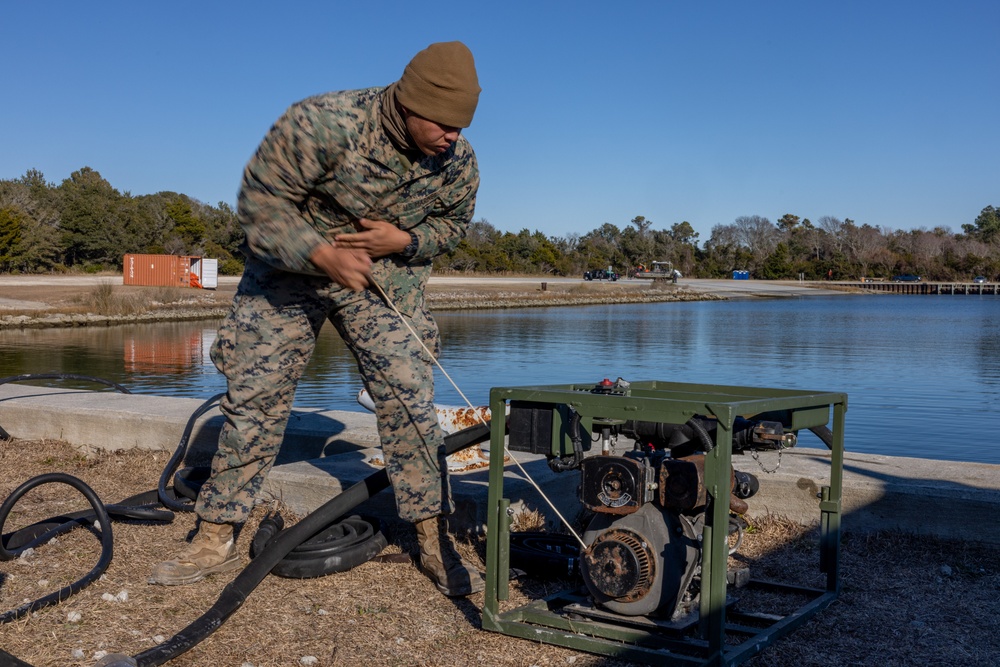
(922,373)
(160,350)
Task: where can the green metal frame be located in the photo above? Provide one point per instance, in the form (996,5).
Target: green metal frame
(672,403)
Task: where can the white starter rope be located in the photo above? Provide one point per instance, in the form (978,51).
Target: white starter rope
(476,412)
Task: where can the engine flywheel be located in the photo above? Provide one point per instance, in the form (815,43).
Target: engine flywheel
(619,564)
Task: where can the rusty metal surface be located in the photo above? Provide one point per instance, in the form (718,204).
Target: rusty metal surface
(682,485)
(457,419)
(620,565)
(470,458)
(612,485)
(452,420)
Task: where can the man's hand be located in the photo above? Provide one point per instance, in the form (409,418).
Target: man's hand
(345,266)
(377,238)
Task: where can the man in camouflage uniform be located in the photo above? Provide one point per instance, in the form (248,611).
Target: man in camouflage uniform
(350,194)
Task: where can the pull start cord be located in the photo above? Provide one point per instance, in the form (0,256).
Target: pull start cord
(476,412)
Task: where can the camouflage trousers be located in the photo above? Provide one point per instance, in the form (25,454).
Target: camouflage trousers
(262,348)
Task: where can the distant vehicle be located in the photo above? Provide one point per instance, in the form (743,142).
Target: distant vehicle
(906,278)
(979,279)
(600,274)
(660,270)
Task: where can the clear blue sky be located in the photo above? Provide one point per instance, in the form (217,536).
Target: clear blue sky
(887,113)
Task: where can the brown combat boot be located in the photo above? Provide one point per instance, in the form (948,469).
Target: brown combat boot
(212,550)
(440,560)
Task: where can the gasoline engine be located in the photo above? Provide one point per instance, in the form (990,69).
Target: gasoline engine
(644,553)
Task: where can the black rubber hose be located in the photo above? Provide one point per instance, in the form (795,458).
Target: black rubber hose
(141,507)
(107,541)
(706,440)
(64,376)
(564,463)
(237,591)
(824,434)
(178,456)
(8,660)
(340,547)
(14,543)
(188,481)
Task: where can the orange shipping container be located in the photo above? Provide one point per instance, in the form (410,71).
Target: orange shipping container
(159,270)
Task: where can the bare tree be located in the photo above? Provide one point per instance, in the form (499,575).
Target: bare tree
(865,244)
(834,228)
(723,243)
(758,235)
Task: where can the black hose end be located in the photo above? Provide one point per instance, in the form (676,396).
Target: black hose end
(276,519)
(269,526)
(563,463)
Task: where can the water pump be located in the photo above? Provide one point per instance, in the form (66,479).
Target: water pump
(664,515)
(643,554)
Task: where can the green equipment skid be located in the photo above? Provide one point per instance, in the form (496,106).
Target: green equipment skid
(711,634)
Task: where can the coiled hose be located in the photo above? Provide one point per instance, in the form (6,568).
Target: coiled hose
(99,516)
(171,500)
(237,591)
(319,545)
(101,519)
(29,537)
(341,546)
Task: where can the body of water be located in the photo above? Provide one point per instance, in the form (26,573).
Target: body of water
(922,373)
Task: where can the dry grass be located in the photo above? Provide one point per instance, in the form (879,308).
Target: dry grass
(528,520)
(104,300)
(905,601)
(109,299)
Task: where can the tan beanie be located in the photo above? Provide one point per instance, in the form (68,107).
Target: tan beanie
(440,84)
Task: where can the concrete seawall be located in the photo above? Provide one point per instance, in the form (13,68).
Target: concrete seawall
(327,450)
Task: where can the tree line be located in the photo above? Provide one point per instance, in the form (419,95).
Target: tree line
(85,224)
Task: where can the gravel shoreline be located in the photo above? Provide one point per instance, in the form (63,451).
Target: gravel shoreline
(446,301)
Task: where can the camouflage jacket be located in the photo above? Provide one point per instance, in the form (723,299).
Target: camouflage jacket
(326,163)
